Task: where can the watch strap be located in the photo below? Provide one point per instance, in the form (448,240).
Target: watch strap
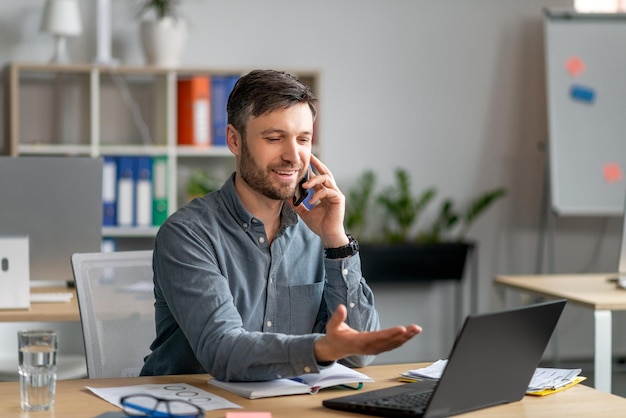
(348,250)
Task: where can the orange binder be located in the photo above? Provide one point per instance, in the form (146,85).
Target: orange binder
(194,111)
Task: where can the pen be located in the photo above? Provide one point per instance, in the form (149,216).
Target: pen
(562,384)
(566,379)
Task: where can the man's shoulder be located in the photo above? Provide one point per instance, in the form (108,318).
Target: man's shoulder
(202,209)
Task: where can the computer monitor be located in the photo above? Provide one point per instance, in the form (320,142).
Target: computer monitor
(57,202)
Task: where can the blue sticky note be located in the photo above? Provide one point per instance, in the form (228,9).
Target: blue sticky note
(583,94)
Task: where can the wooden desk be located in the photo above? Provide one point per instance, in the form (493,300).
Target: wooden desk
(44,312)
(73,400)
(592,291)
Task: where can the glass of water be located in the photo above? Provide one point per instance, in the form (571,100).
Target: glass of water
(37,368)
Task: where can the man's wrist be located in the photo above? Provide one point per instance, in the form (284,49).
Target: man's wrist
(335,240)
(320,350)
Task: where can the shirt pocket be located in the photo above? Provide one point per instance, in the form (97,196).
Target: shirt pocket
(304,305)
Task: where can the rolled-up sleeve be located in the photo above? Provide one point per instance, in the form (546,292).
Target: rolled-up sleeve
(345,285)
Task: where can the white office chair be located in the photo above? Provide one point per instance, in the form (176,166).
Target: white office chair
(116,301)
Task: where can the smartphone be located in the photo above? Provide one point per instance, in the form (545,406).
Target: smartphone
(301,192)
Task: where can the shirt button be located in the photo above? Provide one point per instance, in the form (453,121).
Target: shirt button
(269,323)
(245,225)
(307,369)
(261,240)
(344,272)
(279,376)
(352,304)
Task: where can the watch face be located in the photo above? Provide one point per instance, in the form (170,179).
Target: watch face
(354,243)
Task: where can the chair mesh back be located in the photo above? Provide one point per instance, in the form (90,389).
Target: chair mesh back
(116,301)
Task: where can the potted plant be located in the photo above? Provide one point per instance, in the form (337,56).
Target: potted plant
(402,248)
(163,32)
(201,183)
(162,8)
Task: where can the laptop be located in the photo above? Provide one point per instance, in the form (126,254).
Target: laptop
(492,362)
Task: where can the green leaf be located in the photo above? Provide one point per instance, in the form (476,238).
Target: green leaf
(358,202)
(478,206)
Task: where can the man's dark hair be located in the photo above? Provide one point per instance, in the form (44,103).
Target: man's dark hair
(264,91)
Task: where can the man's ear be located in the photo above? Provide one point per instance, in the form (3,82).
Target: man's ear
(233,139)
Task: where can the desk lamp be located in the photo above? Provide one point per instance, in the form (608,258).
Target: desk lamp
(61,18)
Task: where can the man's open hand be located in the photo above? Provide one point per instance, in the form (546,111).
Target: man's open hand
(341,341)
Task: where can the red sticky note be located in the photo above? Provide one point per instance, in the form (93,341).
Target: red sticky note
(612,172)
(574,66)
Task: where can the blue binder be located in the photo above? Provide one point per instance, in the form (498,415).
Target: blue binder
(109,191)
(221,86)
(143,192)
(126,175)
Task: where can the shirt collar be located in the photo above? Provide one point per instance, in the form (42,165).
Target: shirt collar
(288,217)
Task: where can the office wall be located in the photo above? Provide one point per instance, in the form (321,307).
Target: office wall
(452,90)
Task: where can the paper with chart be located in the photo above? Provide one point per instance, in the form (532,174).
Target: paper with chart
(179,391)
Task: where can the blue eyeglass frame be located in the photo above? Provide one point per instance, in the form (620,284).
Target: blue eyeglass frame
(153,413)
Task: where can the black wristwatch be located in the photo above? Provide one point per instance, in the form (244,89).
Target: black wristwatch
(348,250)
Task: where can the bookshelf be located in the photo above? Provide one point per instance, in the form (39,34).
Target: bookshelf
(90,110)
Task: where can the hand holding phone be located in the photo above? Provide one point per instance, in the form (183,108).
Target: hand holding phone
(301,192)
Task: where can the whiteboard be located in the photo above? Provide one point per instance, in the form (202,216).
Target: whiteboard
(586,100)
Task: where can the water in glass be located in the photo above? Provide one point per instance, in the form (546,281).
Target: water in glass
(37,370)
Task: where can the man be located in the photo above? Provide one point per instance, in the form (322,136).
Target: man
(248,285)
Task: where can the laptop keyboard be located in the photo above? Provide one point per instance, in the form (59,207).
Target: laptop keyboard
(403,400)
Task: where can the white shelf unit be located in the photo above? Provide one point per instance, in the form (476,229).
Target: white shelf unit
(91,110)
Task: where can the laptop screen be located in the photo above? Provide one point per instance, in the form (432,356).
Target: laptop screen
(57,202)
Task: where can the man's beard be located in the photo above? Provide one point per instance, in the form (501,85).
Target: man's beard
(258,179)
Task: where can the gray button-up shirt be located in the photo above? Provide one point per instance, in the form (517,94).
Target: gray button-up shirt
(230,304)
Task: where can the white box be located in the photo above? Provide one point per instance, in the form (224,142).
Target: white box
(14,272)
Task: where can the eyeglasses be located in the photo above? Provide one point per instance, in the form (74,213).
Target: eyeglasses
(141,405)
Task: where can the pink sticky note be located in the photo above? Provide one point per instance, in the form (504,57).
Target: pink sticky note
(612,172)
(248,415)
(574,66)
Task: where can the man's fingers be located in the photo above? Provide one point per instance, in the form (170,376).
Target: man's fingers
(339,316)
(390,338)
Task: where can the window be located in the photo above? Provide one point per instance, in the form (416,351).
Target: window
(600,6)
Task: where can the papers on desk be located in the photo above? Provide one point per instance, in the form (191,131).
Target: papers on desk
(434,371)
(205,400)
(544,381)
(547,380)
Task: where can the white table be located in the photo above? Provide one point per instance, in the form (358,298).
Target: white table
(593,291)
